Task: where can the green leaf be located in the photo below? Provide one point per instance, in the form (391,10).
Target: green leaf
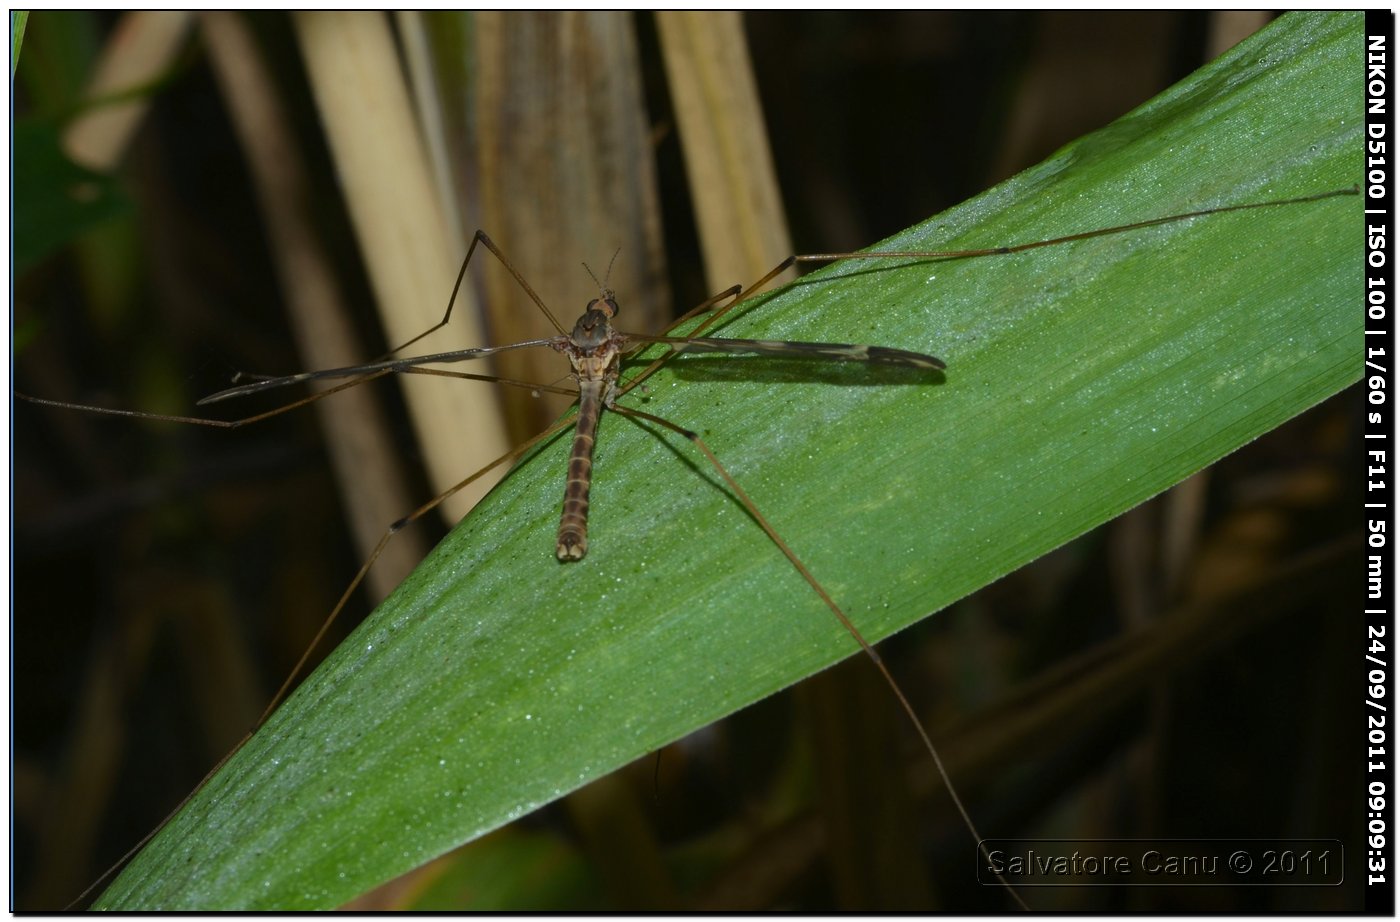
(59,200)
(18,20)
(1082,379)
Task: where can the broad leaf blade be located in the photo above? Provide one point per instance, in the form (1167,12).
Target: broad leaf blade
(1082,379)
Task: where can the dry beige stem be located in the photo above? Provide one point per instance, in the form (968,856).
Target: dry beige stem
(732,181)
(361,447)
(368,118)
(139,50)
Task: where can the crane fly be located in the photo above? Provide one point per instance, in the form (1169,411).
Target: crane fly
(595,350)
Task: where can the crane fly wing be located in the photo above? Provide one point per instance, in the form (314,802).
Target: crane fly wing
(386,366)
(841,352)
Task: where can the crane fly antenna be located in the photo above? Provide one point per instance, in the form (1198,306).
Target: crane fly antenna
(607,275)
(603,288)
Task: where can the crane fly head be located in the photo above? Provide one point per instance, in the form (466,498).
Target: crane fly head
(608,301)
(606,305)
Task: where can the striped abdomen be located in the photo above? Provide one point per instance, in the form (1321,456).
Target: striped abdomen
(573,524)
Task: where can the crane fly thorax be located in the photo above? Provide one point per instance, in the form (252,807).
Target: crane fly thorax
(594,328)
(594,346)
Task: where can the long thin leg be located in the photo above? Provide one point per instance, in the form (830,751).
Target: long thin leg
(697,310)
(296,404)
(479,237)
(841,616)
(777,270)
(359,578)
(709,303)
(388,535)
(200,420)
(375,554)
(1069,238)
